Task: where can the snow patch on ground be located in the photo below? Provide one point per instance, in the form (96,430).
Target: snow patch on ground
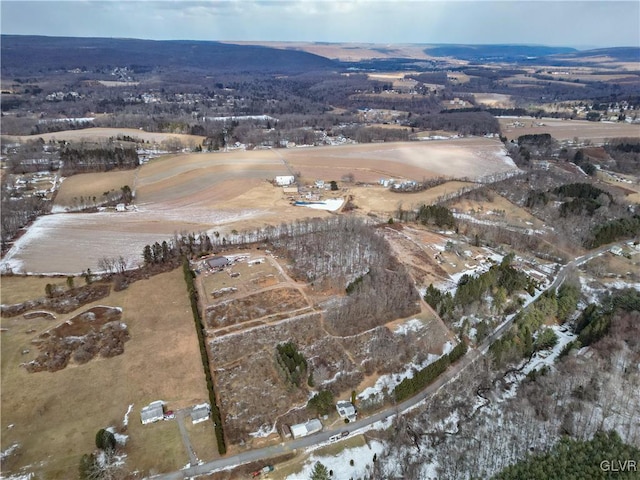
(264,431)
(21,476)
(331,204)
(413,325)
(340,464)
(7,453)
(125,420)
(120,438)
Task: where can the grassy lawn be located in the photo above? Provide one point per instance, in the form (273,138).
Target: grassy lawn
(17,289)
(55,415)
(203,438)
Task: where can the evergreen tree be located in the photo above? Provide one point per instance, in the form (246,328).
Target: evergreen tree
(319,472)
(105,440)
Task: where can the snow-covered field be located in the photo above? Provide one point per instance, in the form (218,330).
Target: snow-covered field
(69,243)
(341,464)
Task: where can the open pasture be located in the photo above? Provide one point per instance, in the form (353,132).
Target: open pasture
(55,416)
(563,130)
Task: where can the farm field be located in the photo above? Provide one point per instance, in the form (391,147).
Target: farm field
(55,416)
(561,130)
(227,191)
(98,133)
(466,157)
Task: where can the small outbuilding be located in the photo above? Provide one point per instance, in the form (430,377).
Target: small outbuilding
(200,413)
(153,412)
(304,429)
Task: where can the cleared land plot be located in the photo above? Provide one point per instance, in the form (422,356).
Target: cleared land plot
(498,210)
(106,133)
(567,129)
(380,200)
(494,100)
(220,285)
(254,306)
(55,415)
(417,250)
(245,367)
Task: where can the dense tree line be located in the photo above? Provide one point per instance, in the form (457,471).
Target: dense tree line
(614,230)
(18,213)
(500,281)
(215,410)
(83,158)
(599,458)
(436,215)
(322,402)
(595,320)
(519,342)
(427,375)
(470,123)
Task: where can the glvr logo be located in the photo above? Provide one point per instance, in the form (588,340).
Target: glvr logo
(618,466)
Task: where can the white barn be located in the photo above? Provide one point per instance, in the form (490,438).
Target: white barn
(284,180)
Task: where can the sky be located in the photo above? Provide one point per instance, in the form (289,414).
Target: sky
(573,23)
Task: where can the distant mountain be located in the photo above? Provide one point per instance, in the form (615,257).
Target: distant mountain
(618,54)
(20,51)
(495,53)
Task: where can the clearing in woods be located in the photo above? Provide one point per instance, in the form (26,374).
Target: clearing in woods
(55,416)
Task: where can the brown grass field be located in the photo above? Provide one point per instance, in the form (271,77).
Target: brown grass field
(597,132)
(99,133)
(55,415)
(382,201)
(91,185)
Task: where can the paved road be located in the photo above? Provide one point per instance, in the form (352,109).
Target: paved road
(452,372)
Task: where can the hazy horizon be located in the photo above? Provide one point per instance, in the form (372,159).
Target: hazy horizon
(577,24)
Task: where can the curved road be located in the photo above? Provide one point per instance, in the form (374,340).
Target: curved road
(321,437)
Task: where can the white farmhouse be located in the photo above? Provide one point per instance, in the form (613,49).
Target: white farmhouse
(152,412)
(346,410)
